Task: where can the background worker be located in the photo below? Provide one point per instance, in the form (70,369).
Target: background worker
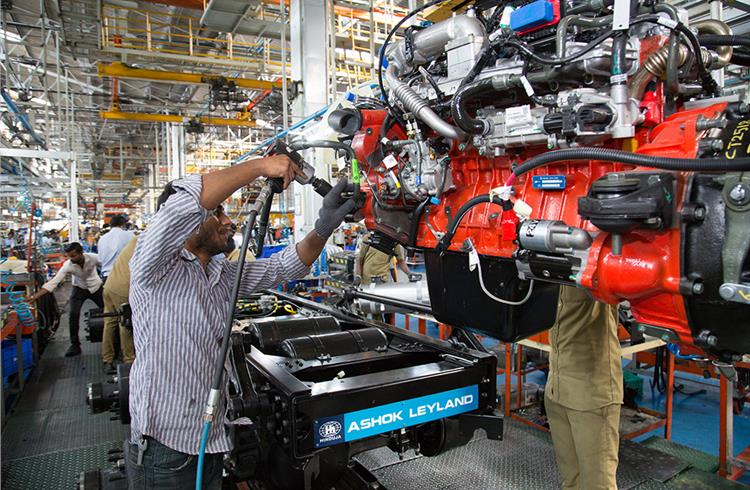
(373,265)
(86,285)
(584,391)
(116,291)
(112,242)
(179,294)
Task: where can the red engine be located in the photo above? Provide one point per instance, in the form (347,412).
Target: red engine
(508,199)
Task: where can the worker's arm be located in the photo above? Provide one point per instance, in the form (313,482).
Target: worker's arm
(294,262)
(159,246)
(401,264)
(52,284)
(217,186)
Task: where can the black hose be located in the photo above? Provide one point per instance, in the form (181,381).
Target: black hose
(588,7)
(716,40)
(559,61)
(426,75)
(445,242)
(707,81)
(265,214)
(609,155)
(335,145)
(740,58)
(619,51)
(480,65)
(416,217)
(461,116)
(388,40)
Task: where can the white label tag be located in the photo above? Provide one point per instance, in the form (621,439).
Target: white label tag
(518,117)
(667,22)
(527,86)
(390,162)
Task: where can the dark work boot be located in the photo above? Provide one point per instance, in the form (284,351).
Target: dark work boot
(73,350)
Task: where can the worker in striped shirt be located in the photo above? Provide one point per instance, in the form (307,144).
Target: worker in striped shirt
(179,292)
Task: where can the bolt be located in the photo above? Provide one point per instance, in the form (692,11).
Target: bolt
(712,340)
(697,287)
(461,146)
(727,291)
(703,123)
(717,145)
(700,213)
(738,194)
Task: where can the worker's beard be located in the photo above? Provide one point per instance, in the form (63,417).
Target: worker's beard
(230,245)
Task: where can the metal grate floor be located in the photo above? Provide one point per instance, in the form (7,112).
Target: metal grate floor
(50,437)
(523,459)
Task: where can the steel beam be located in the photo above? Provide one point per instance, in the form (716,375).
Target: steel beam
(120,70)
(173,118)
(26,153)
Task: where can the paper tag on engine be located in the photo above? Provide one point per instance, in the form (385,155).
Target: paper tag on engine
(518,117)
(390,162)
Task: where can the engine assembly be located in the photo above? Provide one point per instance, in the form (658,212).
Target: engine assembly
(546,143)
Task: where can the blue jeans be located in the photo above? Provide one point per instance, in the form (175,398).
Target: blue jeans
(164,468)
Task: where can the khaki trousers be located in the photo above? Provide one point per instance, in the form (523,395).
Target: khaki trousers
(586,445)
(112,302)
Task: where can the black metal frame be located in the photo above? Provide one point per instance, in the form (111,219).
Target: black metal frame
(285,396)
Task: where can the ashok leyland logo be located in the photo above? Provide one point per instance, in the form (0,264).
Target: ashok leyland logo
(329,432)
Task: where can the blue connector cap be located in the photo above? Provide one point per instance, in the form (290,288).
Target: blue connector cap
(532,15)
(350,97)
(434,201)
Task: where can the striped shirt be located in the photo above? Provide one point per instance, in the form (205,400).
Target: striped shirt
(179,312)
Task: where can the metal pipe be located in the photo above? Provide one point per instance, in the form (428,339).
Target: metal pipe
(719,28)
(576,20)
(390,297)
(419,107)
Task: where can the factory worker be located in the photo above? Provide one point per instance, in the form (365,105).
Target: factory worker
(178,295)
(584,391)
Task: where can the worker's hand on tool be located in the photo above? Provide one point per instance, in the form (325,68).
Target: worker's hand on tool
(279,166)
(334,209)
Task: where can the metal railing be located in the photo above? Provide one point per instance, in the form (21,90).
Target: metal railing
(151,32)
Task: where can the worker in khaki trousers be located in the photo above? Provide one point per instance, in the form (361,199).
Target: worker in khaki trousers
(116,291)
(584,391)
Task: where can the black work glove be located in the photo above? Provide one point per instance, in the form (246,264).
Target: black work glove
(334,209)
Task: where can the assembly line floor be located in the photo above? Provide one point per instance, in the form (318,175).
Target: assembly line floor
(50,438)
